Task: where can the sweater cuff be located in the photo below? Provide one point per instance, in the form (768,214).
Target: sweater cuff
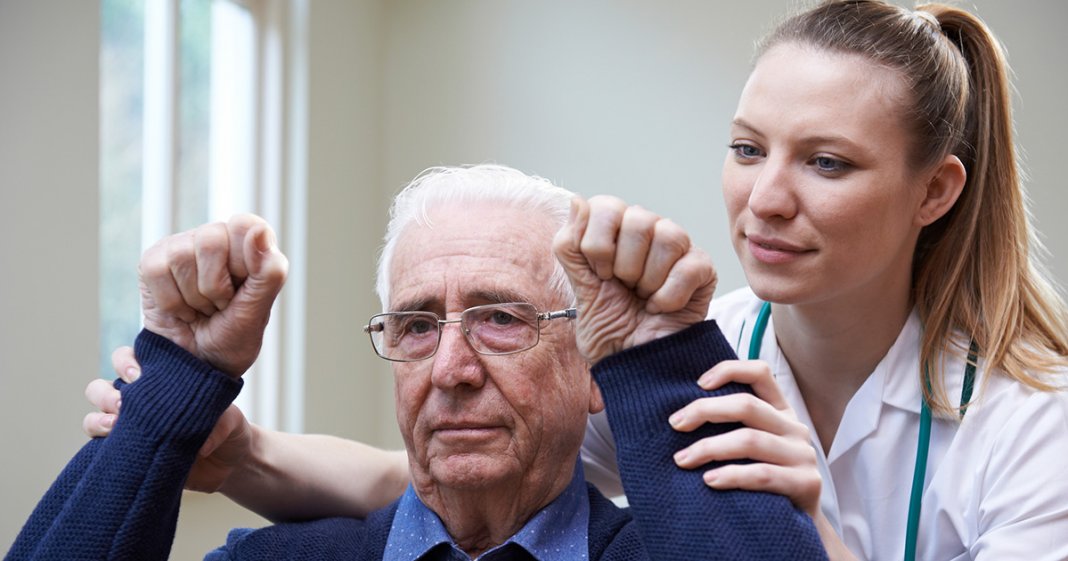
(685,354)
(659,377)
(178,397)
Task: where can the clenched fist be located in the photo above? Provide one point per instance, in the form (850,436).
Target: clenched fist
(210,289)
(637,277)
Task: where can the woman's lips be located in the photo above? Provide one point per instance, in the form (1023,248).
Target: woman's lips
(774,251)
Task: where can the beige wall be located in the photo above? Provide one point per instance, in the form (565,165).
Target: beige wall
(48,242)
(623,96)
(633,97)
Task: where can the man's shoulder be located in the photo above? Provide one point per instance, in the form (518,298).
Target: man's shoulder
(612,533)
(325,538)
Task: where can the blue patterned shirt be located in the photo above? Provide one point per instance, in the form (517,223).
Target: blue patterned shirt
(556,532)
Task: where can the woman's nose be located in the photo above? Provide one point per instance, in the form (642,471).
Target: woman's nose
(773,191)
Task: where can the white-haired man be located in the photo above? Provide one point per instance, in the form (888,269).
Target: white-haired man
(492,387)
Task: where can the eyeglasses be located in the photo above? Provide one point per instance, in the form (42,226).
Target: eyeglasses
(493,329)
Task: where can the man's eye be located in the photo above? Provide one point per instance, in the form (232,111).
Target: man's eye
(500,317)
(419,327)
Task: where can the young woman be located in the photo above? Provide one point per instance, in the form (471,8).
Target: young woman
(906,350)
(875,204)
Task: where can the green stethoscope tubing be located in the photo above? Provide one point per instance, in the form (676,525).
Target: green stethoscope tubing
(919,472)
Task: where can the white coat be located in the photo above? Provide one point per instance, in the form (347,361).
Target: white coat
(996,487)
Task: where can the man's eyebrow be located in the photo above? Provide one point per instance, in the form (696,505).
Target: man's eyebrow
(476,297)
(497,296)
(418,305)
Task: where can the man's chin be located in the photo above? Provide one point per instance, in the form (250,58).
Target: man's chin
(473,471)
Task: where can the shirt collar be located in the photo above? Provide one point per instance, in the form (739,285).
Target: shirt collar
(557,532)
(902,368)
(894,382)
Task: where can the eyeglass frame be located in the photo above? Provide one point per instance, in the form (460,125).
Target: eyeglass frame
(566,313)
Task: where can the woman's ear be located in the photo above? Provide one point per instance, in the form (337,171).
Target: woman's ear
(942,191)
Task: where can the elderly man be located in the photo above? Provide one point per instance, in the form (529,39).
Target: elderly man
(492,391)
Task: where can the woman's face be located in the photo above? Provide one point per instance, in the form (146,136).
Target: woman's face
(822,201)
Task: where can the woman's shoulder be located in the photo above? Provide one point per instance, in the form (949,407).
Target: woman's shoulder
(1000,391)
(740,301)
(1004,408)
(734,311)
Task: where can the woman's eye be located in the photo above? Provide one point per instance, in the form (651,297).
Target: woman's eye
(746,151)
(827,164)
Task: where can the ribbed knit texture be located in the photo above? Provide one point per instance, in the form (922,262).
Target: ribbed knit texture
(118,498)
(643,386)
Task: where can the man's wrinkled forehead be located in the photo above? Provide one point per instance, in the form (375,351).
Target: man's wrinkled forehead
(473,296)
(472,257)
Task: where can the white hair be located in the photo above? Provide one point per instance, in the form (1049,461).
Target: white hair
(474,184)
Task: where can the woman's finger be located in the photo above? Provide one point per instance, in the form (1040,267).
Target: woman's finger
(744,408)
(125,364)
(103,395)
(754,373)
(802,486)
(96,424)
(747,444)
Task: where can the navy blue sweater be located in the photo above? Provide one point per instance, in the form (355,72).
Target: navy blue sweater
(118,497)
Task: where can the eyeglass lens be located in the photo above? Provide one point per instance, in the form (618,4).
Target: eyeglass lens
(491,329)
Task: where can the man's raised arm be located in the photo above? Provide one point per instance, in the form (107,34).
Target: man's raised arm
(207,296)
(642,294)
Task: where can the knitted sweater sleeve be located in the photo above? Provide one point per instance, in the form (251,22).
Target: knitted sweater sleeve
(677,515)
(118,497)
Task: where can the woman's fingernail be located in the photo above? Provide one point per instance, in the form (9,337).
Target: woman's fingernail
(133,373)
(676,419)
(108,421)
(681,456)
(704,380)
(711,477)
(118,405)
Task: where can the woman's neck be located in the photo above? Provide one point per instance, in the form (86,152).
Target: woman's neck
(832,348)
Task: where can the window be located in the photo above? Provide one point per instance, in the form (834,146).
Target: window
(199,122)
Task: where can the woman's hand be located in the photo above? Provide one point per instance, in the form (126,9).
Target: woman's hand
(225,449)
(280,476)
(784,461)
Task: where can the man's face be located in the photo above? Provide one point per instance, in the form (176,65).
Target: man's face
(473,421)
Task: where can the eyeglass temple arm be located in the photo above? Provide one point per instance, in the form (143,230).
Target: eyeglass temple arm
(570,313)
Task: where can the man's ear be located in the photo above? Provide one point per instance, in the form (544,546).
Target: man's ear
(942,191)
(596,399)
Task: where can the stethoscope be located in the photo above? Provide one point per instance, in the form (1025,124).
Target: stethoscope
(919,472)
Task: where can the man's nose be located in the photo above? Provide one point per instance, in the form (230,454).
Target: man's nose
(456,363)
